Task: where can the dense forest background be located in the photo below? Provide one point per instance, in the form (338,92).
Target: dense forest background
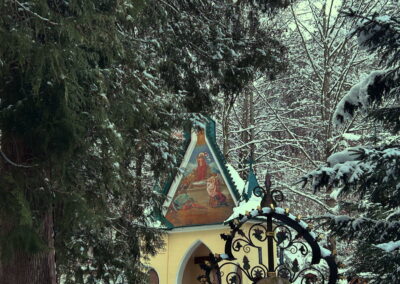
(94,92)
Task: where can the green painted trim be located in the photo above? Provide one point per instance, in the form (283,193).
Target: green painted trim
(252,183)
(165,222)
(167,185)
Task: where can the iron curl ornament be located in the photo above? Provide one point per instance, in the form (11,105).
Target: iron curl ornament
(285,247)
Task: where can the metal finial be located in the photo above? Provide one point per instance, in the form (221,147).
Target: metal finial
(267,199)
(268,182)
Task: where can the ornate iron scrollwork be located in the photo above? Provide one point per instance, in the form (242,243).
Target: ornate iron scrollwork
(285,245)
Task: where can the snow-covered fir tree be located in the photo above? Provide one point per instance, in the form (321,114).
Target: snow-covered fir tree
(368,176)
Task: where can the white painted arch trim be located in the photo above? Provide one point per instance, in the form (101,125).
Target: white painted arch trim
(197,228)
(179,175)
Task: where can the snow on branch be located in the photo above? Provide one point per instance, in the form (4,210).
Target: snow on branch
(349,227)
(348,167)
(356,98)
(26,9)
(349,154)
(378,35)
(390,246)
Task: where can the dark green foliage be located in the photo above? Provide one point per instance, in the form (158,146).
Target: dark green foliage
(211,47)
(70,137)
(379,34)
(91,93)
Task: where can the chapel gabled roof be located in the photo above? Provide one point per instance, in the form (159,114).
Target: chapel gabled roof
(197,188)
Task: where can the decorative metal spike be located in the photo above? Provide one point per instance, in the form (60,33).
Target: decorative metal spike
(287,211)
(224,236)
(247,213)
(272,207)
(236,222)
(320,237)
(310,227)
(298,218)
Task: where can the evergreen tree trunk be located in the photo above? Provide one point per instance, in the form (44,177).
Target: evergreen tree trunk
(25,267)
(251,124)
(244,136)
(38,268)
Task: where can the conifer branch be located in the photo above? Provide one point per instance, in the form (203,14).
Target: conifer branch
(169,5)
(35,14)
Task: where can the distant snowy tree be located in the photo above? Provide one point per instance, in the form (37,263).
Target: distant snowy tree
(371,174)
(284,123)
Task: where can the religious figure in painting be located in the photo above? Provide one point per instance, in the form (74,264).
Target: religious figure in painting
(183,201)
(201,171)
(217,198)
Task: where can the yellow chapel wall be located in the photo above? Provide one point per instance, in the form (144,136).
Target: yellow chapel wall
(170,262)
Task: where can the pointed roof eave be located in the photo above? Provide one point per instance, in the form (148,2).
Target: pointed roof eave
(211,137)
(251,183)
(249,200)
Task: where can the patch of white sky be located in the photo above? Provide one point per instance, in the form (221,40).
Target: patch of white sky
(303,13)
(302,10)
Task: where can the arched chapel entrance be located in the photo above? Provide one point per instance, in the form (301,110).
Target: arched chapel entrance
(191,267)
(153,277)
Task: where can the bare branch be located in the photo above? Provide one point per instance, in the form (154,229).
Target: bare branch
(314,199)
(305,45)
(290,132)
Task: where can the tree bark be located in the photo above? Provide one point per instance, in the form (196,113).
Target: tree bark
(37,268)
(23,267)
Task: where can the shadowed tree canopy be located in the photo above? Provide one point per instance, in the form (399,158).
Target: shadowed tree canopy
(90,95)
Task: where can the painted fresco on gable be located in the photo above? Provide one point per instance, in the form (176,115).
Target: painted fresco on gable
(202,196)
